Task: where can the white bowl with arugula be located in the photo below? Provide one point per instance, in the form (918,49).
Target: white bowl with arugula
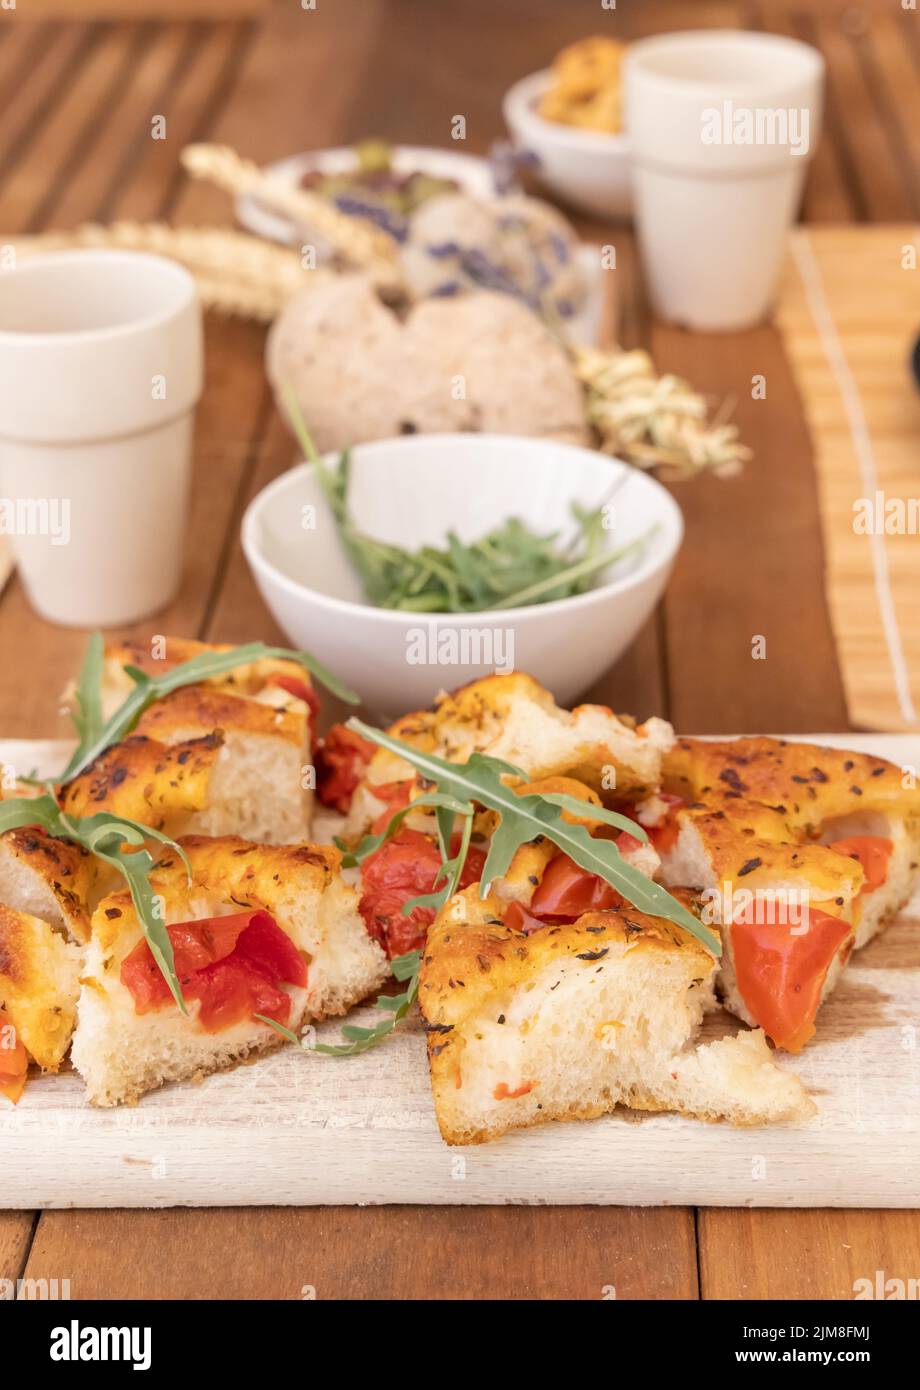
(427,561)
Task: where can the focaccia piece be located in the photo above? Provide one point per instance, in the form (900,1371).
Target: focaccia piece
(787,910)
(39,984)
(122,1053)
(830,795)
(808,784)
(514,718)
(569,1022)
(48,878)
(266,713)
(879,905)
(222,783)
(256,680)
(161,786)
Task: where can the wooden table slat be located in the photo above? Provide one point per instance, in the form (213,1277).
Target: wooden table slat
(804,1254)
(127,127)
(66,137)
(894,63)
(16,1231)
(191,104)
(859,123)
(721,598)
(371,1253)
(35,85)
(830,195)
(23,49)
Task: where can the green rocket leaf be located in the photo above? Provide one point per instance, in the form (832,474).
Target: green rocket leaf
(106,836)
(95,740)
(525,818)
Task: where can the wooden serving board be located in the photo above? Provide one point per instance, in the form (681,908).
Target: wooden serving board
(305,1130)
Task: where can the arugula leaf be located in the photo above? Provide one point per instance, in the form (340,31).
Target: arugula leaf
(510,566)
(202,667)
(87,714)
(588,811)
(370,843)
(106,836)
(564,582)
(28,810)
(525,818)
(405,968)
(451,865)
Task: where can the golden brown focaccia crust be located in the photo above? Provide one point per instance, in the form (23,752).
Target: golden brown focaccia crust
(145,780)
(223,868)
(39,983)
(803,782)
(68,872)
(470,954)
(247,680)
(571,1021)
(204,707)
(513,718)
(218,702)
(741,851)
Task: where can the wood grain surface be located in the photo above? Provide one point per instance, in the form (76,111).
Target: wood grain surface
(293,79)
(384,1253)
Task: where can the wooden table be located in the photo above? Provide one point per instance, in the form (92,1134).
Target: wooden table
(76,103)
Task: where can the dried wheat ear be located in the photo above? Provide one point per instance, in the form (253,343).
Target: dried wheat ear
(654,421)
(236,273)
(357,242)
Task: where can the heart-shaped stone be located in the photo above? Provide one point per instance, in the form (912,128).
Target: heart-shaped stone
(477,361)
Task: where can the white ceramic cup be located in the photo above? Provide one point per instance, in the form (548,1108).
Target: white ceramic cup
(722,125)
(100,371)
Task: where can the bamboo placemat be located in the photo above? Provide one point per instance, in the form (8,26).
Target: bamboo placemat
(849,313)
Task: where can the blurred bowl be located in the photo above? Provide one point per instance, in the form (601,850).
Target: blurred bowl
(411,491)
(589,169)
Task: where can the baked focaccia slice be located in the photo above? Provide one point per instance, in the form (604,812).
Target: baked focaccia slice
(787,911)
(39,984)
(211,785)
(46,887)
(265,680)
(261,929)
(173,788)
(514,718)
(265,713)
(569,1022)
(862,805)
(48,878)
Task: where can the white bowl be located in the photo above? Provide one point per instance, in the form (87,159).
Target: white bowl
(470,172)
(587,168)
(410,491)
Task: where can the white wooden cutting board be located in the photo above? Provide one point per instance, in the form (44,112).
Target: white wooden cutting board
(302,1129)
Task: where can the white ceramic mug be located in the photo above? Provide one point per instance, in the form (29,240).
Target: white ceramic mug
(722,125)
(100,371)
